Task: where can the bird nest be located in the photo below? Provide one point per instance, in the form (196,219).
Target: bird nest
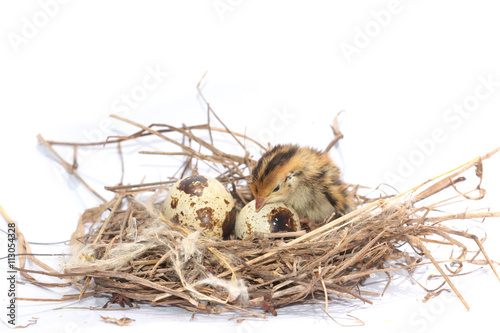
(126,248)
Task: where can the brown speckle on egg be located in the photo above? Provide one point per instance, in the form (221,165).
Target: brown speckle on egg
(174,202)
(205,217)
(228,225)
(249,227)
(281,219)
(193,185)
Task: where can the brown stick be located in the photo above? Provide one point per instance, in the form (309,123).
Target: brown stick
(416,242)
(69,168)
(338,135)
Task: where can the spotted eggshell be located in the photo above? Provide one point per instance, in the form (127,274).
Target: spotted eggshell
(273,217)
(202,203)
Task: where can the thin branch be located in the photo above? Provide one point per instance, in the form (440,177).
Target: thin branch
(69,168)
(216,116)
(338,135)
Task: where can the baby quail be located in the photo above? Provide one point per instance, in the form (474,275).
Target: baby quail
(303,177)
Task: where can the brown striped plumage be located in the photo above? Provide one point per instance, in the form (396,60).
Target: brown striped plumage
(303,177)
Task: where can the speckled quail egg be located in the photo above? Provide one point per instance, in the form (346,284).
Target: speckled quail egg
(202,203)
(273,217)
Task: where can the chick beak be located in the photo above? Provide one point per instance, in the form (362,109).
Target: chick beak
(259,202)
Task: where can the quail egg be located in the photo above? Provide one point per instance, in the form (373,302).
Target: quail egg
(273,217)
(202,203)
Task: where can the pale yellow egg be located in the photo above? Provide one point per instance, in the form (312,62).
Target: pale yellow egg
(273,217)
(202,203)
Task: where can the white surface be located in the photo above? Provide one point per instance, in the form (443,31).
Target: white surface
(277,72)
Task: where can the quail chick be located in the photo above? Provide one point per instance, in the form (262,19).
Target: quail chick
(304,178)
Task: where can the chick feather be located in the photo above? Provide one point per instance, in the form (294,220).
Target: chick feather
(303,177)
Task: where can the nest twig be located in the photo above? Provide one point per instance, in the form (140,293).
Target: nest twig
(125,246)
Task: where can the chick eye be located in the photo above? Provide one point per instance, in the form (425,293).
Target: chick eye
(277,188)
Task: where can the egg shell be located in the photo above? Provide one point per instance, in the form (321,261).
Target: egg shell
(202,203)
(273,217)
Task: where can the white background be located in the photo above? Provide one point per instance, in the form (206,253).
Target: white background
(279,71)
